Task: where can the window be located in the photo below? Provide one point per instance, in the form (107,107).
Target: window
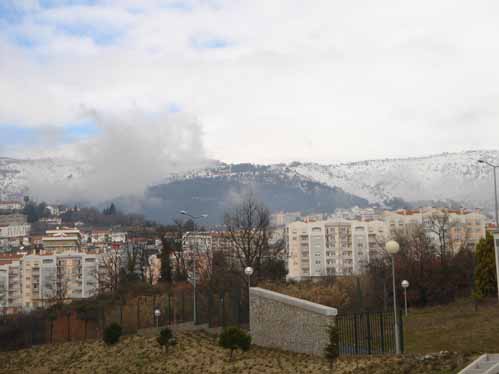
(317,262)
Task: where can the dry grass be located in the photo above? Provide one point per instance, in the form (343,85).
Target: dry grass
(197,352)
(455,327)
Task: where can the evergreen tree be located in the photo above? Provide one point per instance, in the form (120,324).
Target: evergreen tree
(485,267)
(332,350)
(166,264)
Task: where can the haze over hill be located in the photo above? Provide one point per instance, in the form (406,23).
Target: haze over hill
(308,187)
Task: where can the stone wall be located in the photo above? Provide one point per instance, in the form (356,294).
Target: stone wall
(288,323)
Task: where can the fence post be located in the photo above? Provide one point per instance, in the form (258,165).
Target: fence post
(382,330)
(222,305)
(401,331)
(138,313)
(236,305)
(356,337)
(32,332)
(183,306)
(369,336)
(210,308)
(69,325)
(169,309)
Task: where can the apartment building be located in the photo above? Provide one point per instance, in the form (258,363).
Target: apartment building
(10,205)
(463,228)
(57,277)
(13,219)
(14,231)
(61,240)
(330,247)
(283,218)
(10,284)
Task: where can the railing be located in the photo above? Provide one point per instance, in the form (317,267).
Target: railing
(368,333)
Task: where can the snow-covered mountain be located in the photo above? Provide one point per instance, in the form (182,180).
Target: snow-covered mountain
(448,176)
(33,176)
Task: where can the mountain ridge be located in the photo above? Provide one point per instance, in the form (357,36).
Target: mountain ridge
(453,176)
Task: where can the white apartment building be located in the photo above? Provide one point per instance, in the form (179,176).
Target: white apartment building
(13,219)
(62,240)
(104,236)
(10,205)
(283,218)
(14,231)
(10,286)
(58,277)
(118,237)
(356,213)
(330,247)
(464,227)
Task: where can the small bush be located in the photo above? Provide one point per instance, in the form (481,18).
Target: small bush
(166,338)
(112,334)
(233,338)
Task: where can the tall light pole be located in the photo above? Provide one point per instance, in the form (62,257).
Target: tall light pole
(496,249)
(405,284)
(194,276)
(494,167)
(392,247)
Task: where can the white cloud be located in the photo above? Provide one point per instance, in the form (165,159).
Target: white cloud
(322,80)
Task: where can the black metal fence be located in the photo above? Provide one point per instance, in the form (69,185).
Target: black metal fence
(368,333)
(215,308)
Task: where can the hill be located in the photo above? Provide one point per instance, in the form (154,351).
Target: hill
(197,352)
(448,178)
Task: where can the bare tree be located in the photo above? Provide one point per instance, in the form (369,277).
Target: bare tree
(248,224)
(133,258)
(55,289)
(146,266)
(3,296)
(439,225)
(109,271)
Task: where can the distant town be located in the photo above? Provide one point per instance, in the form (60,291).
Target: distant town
(47,256)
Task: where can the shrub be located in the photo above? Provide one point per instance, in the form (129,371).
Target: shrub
(233,338)
(166,338)
(485,267)
(112,334)
(332,350)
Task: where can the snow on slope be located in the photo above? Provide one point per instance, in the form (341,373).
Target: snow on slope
(454,176)
(448,176)
(21,177)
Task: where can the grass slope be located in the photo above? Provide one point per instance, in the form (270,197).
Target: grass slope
(197,352)
(455,327)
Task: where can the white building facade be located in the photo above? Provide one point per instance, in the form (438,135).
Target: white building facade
(330,247)
(57,277)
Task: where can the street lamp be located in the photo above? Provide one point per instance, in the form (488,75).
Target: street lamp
(392,247)
(194,309)
(249,272)
(157,313)
(494,167)
(405,284)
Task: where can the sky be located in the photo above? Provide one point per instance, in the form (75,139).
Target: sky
(262,81)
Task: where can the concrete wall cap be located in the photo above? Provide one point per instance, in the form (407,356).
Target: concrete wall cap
(294,301)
